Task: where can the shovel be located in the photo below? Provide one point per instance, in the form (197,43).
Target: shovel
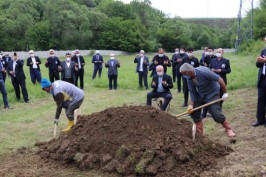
(200,107)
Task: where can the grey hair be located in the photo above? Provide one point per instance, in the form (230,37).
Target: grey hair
(186,68)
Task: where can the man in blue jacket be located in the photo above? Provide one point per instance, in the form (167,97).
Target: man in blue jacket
(142,68)
(3,87)
(161,84)
(97,60)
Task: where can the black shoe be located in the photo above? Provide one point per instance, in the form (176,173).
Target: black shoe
(6,107)
(26,101)
(18,99)
(184,105)
(255,124)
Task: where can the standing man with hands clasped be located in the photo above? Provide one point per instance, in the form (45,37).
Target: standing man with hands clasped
(80,63)
(97,60)
(66,96)
(261,106)
(142,68)
(204,87)
(161,84)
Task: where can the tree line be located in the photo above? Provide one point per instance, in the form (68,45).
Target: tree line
(100,24)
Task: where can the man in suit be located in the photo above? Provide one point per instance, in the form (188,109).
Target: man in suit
(3,87)
(178,60)
(35,72)
(261,106)
(68,69)
(174,64)
(97,60)
(53,63)
(112,66)
(220,66)
(142,68)
(80,63)
(195,63)
(161,59)
(5,60)
(15,70)
(161,84)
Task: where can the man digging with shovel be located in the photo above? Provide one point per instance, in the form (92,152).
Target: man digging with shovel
(66,96)
(204,87)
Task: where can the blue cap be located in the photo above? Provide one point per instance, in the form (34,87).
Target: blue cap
(45,83)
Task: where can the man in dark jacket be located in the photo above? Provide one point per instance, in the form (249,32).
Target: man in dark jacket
(142,68)
(112,66)
(174,64)
(97,60)
(3,87)
(161,59)
(161,84)
(5,60)
(53,63)
(33,62)
(80,63)
(15,70)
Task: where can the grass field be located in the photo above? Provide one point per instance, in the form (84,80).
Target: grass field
(26,124)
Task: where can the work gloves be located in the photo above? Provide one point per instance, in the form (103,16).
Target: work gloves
(225,96)
(56,121)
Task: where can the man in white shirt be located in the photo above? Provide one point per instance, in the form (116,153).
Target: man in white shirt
(35,72)
(142,68)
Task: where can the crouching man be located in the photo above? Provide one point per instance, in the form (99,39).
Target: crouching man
(66,96)
(161,84)
(204,87)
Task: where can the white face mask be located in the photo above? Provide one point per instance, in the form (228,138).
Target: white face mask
(176,52)
(219,55)
(190,54)
(207,53)
(32,55)
(77,55)
(52,55)
(112,58)
(141,55)
(68,59)
(182,51)
(160,73)
(161,55)
(211,53)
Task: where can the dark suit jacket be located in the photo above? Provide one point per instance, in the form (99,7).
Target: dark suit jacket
(97,62)
(193,61)
(53,64)
(166,78)
(72,68)
(19,72)
(144,65)
(30,64)
(223,64)
(81,60)
(260,66)
(112,69)
(161,60)
(5,61)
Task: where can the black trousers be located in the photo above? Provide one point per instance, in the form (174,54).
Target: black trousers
(166,95)
(54,75)
(97,68)
(143,76)
(112,78)
(80,76)
(261,106)
(174,73)
(178,80)
(69,80)
(20,83)
(185,90)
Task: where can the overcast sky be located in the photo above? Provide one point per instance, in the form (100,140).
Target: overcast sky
(201,8)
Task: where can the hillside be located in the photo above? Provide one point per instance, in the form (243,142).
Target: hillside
(223,23)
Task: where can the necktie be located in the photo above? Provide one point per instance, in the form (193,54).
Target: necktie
(264,69)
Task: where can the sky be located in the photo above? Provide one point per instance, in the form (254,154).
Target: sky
(201,8)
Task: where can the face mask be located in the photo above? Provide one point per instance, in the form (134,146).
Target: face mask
(32,55)
(77,55)
(68,59)
(160,55)
(52,55)
(182,52)
(112,58)
(141,55)
(219,55)
(160,73)
(186,77)
(211,53)
(207,53)
(189,54)
(176,52)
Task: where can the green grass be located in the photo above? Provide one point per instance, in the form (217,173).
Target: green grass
(26,124)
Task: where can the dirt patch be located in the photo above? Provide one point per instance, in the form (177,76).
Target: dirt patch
(134,141)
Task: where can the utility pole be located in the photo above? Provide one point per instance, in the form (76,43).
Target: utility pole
(244,23)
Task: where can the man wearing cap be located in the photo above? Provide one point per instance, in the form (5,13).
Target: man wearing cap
(15,70)
(112,66)
(97,60)
(68,69)
(53,64)
(80,63)
(5,60)
(3,87)
(142,68)
(204,87)
(33,62)
(66,96)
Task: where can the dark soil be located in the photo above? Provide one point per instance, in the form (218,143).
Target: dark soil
(134,141)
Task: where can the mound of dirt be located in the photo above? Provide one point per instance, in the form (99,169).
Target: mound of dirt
(134,141)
